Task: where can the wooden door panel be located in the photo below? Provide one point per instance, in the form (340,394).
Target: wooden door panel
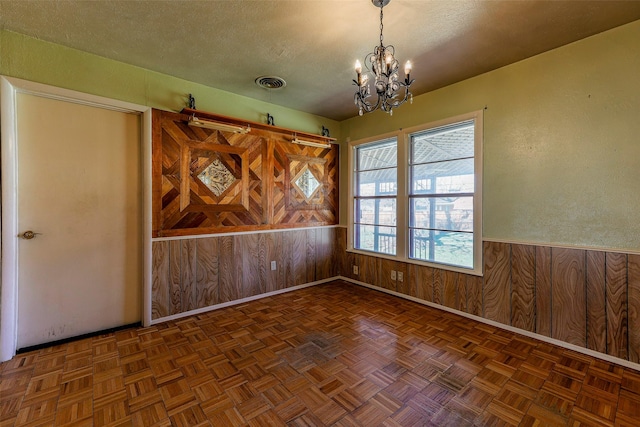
(210,181)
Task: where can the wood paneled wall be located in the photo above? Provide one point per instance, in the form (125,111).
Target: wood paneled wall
(584,297)
(194,273)
(259,173)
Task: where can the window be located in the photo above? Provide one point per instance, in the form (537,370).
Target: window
(375,196)
(441,171)
(417,194)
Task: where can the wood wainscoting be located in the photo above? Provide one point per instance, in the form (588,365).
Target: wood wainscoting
(587,298)
(194,273)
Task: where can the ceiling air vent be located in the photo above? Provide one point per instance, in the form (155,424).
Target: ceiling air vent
(271,82)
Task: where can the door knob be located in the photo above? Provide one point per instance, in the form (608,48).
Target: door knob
(28,235)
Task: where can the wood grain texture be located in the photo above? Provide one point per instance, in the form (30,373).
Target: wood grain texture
(596,302)
(341,256)
(254,264)
(274,280)
(160,283)
(349,262)
(568,290)
(385,281)
(370,270)
(264,194)
(325,253)
(297,246)
(330,355)
(310,274)
(188,206)
(461,293)
(450,288)
(333,252)
(438,286)
(497,282)
(156,171)
(617,327)
(207,272)
(287,258)
(358,261)
(420,281)
(188,288)
(523,286)
(290,205)
(402,286)
(474,295)
(175,276)
(543,291)
(230,263)
(634,307)
(588,298)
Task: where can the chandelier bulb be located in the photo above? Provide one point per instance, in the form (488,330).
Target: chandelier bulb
(407,68)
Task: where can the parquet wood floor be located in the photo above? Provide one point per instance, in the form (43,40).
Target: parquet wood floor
(329,355)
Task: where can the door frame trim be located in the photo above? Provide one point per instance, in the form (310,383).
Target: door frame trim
(9,88)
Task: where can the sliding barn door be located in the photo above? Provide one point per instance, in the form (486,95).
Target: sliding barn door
(79,218)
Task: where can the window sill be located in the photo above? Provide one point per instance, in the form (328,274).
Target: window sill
(472,272)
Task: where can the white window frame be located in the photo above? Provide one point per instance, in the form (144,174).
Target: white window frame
(403,137)
(356,196)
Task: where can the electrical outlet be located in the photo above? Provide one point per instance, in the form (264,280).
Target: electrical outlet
(400,276)
(393,275)
(355,270)
(273,265)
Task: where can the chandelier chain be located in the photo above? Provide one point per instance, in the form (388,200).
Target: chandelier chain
(381,25)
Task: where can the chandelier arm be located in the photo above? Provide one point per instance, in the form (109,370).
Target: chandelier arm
(398,102)
(363,104)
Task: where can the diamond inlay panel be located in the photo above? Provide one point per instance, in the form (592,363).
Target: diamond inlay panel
(216,177)
(307,183)
(208,181)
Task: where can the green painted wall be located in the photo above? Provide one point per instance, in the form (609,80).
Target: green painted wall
(561,142)
(562,129)
(35,60)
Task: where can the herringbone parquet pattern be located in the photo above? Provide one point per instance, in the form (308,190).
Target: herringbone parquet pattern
(334,354)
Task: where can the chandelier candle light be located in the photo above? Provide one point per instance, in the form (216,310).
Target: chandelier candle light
(384,69)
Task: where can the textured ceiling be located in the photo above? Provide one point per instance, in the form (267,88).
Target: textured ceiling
(312,44)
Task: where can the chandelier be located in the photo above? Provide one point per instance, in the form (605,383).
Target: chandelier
(383,68)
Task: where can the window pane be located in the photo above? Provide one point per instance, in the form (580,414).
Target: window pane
(375,183)
(451,248)
(441,213)
(376,211)
(375,238)
(383,154)
(454,176)
(443,143)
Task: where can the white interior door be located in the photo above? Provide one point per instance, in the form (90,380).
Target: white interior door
(79,185)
